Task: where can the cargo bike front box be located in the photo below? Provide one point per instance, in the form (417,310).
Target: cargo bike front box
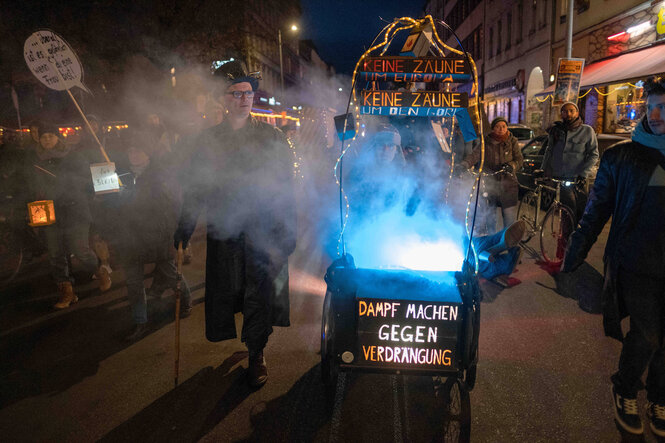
(399,321)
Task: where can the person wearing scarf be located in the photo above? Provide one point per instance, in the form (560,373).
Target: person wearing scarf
(54,173)
(502,152)
(571,154)
(630,189)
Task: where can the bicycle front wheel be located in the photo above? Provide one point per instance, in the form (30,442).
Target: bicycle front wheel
(557,226)
(527,211)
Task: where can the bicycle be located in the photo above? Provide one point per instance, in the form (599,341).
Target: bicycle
(557,224)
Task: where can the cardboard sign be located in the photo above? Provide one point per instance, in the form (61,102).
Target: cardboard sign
(568,78)
(407,334)
(409,69)
(53,61)
(416,104)
(104,178)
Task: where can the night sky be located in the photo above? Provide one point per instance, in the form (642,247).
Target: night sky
(342,29)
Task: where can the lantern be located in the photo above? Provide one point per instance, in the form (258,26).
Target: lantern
(42,213)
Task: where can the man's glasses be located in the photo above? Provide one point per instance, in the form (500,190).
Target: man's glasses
(239,94)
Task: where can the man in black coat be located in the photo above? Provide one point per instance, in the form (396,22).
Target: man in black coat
(242,174)
(630,188)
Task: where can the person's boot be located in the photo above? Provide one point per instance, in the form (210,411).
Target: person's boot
(257,374)
(626,413)
(656,414)
(139,331)
(104,278)
(185,306)
(510,237)
(67,296)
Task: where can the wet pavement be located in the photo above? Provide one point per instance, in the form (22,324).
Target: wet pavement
(543,371)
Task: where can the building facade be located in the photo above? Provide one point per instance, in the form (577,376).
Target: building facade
(622,44)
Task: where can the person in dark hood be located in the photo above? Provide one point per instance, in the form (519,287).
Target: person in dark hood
(149,208)
(53,173)
(571,154)
(242,174)
(377,178)
(630,188)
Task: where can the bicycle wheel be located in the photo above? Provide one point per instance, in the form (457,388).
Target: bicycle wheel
(527,211)
(557,226)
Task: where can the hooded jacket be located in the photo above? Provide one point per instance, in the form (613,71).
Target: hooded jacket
(579,150)
(61,176)
(620,186)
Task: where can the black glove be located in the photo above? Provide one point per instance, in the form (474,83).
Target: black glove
(178,237)
(508,168)
(580,183)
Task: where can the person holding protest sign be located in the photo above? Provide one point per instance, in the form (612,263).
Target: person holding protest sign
(242,174)
(54,174)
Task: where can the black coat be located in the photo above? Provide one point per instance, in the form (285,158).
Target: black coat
(147,210)
(621,182)
(63,177)
(244,181)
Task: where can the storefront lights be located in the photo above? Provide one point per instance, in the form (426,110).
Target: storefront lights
(639,29)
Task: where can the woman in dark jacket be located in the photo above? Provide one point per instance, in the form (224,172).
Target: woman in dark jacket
(54,173)
(502,153)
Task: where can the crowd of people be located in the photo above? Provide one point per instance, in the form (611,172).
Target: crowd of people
(239,172)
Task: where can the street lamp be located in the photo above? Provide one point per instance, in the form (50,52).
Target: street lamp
(294,28)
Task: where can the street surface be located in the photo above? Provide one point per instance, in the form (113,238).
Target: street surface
(543,372)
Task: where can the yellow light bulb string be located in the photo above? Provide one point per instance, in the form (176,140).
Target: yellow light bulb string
(475,105)
(604,94)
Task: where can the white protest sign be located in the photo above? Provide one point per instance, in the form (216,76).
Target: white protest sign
(104,177)
(53,61)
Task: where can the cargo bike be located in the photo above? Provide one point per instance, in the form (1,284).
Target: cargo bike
(404,321)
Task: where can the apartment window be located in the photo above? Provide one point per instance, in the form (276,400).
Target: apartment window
(509,30)
(491,42)
(543,14)
(534,16)
(564,11)
(498,37)
(520,20)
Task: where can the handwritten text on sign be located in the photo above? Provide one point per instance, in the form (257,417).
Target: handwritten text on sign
(407,333)
(104,177)
(409,69)
(53,61)
(417,104)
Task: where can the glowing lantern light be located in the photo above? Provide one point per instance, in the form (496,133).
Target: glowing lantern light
(42,213)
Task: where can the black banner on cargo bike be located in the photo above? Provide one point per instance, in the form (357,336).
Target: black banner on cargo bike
(408,334)
(410,69)
(417,104)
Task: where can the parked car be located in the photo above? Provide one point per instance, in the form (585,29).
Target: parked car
(522,133)
(533,153)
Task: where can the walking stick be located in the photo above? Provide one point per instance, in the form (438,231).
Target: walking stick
(176,362)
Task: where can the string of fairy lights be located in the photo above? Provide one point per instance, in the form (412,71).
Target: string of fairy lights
(604,94)
(389,32)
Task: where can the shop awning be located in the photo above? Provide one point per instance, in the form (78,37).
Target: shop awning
(638,64)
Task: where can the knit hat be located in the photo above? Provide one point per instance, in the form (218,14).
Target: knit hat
(45,128)
(571,103)
(388,135)
(497,120)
